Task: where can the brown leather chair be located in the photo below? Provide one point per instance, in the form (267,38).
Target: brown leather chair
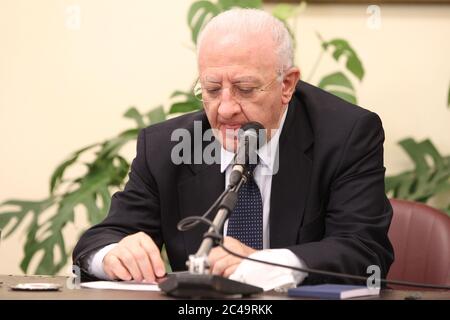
(420,236)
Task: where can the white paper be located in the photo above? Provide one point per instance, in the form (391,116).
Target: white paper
(121,285)
(270,277)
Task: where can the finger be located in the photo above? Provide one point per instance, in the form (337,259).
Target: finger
(236,246)
(215,255)
(155,256)
(221,265)
(143,262)
(230,270)
(117,270)
(128,260)
(108,266)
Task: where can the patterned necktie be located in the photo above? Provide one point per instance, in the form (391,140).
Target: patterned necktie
(246,221)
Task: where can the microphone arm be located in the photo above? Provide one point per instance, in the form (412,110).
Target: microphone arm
(245,155)
(198,262)
(198,282)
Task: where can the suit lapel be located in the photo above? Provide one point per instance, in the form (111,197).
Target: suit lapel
(291,184)
(204,183)
(200,186)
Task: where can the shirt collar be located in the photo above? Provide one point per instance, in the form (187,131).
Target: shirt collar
(267,153)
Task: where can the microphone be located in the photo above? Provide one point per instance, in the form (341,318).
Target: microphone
(251,137)
(197,282)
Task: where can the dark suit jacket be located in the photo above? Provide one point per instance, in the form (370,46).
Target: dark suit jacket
(327,203)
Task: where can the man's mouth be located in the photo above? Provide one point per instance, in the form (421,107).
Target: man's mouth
(230,131)
(230,126)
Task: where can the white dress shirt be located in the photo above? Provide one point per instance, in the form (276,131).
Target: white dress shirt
(267,167)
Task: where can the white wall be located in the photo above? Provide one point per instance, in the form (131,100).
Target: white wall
(407,67)
(61,89)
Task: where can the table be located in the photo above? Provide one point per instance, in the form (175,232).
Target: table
(93,294)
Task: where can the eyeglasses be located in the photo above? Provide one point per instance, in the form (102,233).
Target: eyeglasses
(211,91)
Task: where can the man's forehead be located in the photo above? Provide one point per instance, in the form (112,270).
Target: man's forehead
(223,38)
(220,46)
(238,64)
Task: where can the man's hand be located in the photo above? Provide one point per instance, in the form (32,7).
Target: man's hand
(223,263)
(136,257)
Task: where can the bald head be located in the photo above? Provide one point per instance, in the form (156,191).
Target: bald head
(248,29)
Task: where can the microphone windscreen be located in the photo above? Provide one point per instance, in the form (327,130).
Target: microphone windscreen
(252,125)
(257,129)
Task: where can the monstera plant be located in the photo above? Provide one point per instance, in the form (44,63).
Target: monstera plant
(107,172)
(429,178)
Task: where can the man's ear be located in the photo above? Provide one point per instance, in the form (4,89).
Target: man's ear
(290,80)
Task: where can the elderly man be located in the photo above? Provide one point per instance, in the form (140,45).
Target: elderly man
(323,205)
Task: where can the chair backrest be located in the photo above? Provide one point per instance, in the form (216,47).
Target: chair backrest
(420,236)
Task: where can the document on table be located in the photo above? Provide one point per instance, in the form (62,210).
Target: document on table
(121,285)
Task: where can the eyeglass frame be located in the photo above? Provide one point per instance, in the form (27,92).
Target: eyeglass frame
(261,88)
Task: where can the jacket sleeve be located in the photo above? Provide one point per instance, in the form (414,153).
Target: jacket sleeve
(134,209)
(357,214)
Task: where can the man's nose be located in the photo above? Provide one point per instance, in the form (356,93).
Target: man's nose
(228,106)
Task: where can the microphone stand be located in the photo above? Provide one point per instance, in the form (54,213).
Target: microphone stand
(198,282)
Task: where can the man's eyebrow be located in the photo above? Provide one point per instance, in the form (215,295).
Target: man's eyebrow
(239,79)
(212,80)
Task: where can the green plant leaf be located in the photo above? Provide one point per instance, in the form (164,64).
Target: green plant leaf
(32,245)
(190,103)
(112,147)
(429,148)
(23,209)
(345,96)
(338,84)
(157,115)
(228,4)
(416,153)
(442,187)
(337,79)
(284,11)
(447,210)
(404,188)
(187,95)
(428,178)
(108,169)
(341,47)
(57,175)
(105,196)
(183,107)
(47,264)
(86,195)
(8,216)
(448,98)
(95,213)
(393,183)
(132,113)
(199,14)
(165,258)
